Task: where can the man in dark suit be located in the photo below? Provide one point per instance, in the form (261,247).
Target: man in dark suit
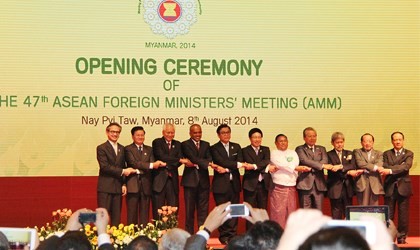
(311,185)
(398,189)
(112,171)
(226,185)
(195,179)
(369,184)
(340,181)
(139,185)
(165,180)
(256,181)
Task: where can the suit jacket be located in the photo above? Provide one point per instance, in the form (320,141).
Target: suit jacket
(171,157)
(194,176)
(314,160)
(221,182)
(110,178)
(336,180)
(373,177)
(400,176)
(250,179)
(141,161)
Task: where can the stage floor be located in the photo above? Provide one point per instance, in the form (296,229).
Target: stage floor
(413,243)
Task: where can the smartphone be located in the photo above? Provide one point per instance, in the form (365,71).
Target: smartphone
(365,228)
(238,210)
(88,217)
(20,238)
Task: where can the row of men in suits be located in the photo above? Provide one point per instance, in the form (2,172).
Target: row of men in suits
(152,173)
(356,172)
(145,173)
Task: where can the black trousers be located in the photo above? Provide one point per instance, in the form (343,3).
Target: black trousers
(137,203)
(167,197)
(257,199)
(112,203)
(338,206)
(228,229)
(196,199)
(403,211)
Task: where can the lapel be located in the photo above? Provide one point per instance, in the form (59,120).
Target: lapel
(337,158)
(365,156)
(111,150)
(223,149)
(165,145)
(194,146)
(309,152)
(252,153)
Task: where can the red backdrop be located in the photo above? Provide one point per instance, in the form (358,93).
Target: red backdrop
(29,201)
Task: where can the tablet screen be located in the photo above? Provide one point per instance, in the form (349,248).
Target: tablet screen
(20,238)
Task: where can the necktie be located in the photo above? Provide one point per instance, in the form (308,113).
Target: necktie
(169,146)
(140,149)
(340,156)
(368,154)
(398,153)
(197,145)
(227,148)
(260,178)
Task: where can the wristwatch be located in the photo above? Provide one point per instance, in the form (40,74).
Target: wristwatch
(202,227)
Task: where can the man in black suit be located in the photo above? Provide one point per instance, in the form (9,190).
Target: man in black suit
(397,163)
(165,180)
(340,178)
(112,171)
(195,179)
(139,185)
(226,185)
(256,181)
(311,185)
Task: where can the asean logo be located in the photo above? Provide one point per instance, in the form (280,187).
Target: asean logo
(170,17)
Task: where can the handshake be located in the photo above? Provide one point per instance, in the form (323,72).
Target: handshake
(222,170)
(130,171)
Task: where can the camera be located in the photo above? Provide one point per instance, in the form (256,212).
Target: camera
(238,210)
(87,217)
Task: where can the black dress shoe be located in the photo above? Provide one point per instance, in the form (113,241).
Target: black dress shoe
(401,241)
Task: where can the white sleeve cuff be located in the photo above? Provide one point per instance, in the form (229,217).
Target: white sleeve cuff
(103,239)
(204,234)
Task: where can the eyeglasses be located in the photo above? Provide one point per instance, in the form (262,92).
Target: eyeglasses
(225,132)
(114,132)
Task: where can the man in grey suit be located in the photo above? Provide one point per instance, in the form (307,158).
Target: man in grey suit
(110,156)
(398,189)
(340,178)
(369,184)
(139,185)
(311,185)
